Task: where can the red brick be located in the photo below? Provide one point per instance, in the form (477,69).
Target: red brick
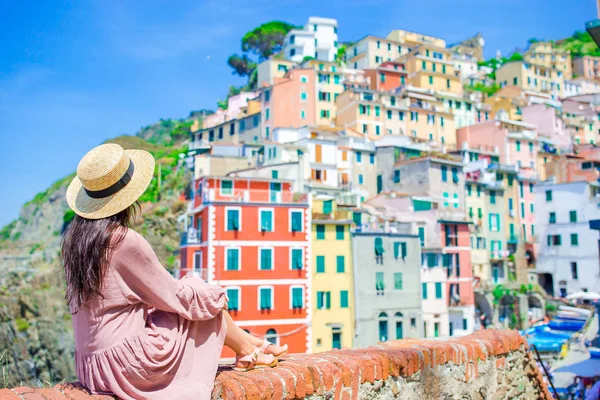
(7,394)
(51,394)
(20,390)
(32,396)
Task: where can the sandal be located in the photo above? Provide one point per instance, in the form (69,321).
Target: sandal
(266,345)
(250,359)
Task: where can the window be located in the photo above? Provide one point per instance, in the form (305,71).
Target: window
(422,236)
(401,115)
(339,232)
(266,259)
(397,176)
(431,80)
(554,240)
(444,173)
(297,257)
(522,210)
(297,297)
(423,65)
(383,327)
(343,299)
(303,79)
(548,195)
(574,239)
(492,197)
(360,179)
(265,298)
(226,188)
(424,284)
(438,290)
(379,281)
(358,157)
(494,222)
(274,174)
(296,217)
(400,250)
(265,220)
(320,264)
(552,218)
(371,158)
(574,274)
(572,216)
(478,191)
(303,96)
(448,83)
(323,300)
(233,295)
(340,264)
(518,145)
(455,175)
(389,114)
(233,259)
(233,219)
(399,329)
(320,232)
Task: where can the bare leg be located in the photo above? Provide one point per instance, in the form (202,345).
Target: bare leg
(239,341)
(256,341)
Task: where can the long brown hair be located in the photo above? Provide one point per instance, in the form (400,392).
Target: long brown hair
(86,247)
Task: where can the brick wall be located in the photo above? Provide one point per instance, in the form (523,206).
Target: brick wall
(485,365)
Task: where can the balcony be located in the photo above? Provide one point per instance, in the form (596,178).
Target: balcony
(254,196)
(339,215)
(498,254)
(513,239)
(192,236)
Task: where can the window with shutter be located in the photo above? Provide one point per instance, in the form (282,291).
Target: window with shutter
(266,259)
(233,262)
(379,250)
(379,282)
(296,221)
(344,299)
(424,290)
(266,220)
(398,280)
(320,232)
(233,294)
(327,206)
(438,290)
(297,259)
(340,264)
(320,264)
(339,232)
(233,220)
(297,297)
(265,298)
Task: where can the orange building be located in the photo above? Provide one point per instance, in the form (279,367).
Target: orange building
(388,76)
(251,236)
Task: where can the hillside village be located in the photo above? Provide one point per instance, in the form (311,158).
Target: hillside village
(396,187)
(353,193)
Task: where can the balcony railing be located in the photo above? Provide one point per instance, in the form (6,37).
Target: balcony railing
(338,215)
(192,236)
(513,239)
(254,196)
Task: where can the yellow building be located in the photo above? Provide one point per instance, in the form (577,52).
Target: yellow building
(430,67)
(272,68)
(428,120)
(332,278)
(372,113)
(509,100)
(330,83)
(371,51)
(528,76)
(415,39)
(542,53)
(476,207)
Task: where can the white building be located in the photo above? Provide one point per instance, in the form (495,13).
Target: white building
(465,64)
(318,39)
(568,259)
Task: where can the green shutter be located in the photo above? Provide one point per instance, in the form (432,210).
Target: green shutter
(233,296)
(548,195)
(398,280)
(344,299)
(265,299)
(227,187)
(424,290)
(431,260)
(339,232)
(438,290)
(379,250)
(320,264)
(341,264)
(574,239)
(320,298)
(297,298)
(266,220)
(559,240)
(297,259)
(421,205)
(233,260)
(446,260)
(549,240)
(233,220)
(422,235)
(328,300)
(398,329)
(320,232)
(296,221)
(573,216)
(379,282)
(327,206)
(265,259)
(357,218)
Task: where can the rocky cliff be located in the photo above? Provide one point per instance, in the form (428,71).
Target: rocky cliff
(36,341)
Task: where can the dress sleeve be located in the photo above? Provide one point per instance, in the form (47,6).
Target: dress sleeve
(145,279)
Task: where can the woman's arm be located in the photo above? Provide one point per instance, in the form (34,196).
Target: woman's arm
(146,280)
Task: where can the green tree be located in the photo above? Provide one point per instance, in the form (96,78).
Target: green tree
(266,39)
(515,57)
(242,65)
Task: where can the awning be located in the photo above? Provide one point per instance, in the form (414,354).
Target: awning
(586,369)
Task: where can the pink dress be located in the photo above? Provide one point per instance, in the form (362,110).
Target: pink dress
(149,336)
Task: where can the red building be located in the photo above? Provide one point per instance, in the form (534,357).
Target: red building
(251,236)
(388,76)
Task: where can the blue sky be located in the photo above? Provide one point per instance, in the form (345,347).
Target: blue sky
(74,73)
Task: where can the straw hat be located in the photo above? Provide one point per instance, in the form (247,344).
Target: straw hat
(109,179)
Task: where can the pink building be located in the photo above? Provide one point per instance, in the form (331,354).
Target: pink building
(549,124)
(290,102)
(234,106)
(515,142)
